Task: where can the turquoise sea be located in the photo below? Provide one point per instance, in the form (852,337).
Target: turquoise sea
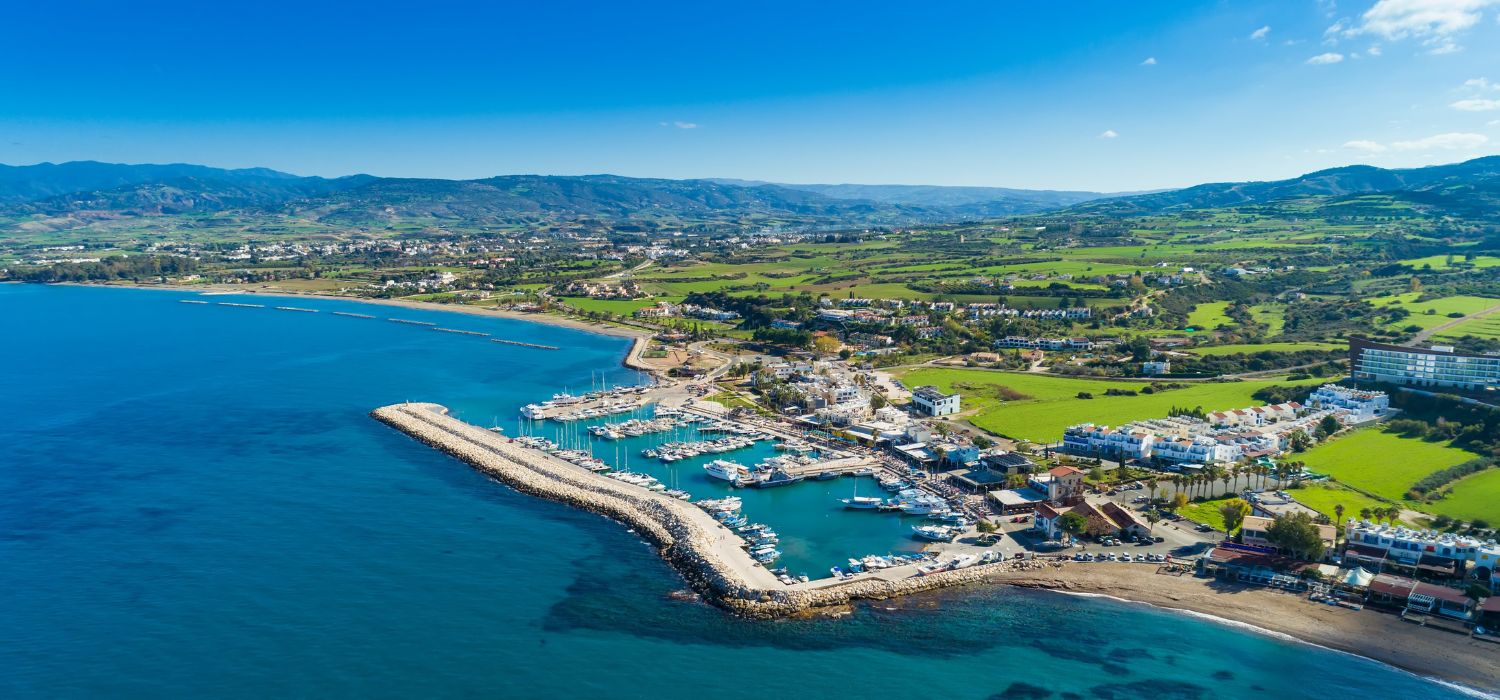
(194,503)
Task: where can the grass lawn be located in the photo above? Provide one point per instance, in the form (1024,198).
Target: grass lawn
(1272,315)
(1322,497)
(1380,462)
(1206,317)
(1473,497)
(1047,404)
(618,306)
(1206,512)
(1264,347)
(1440,308)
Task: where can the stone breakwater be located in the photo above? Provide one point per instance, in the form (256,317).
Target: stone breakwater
(707,554)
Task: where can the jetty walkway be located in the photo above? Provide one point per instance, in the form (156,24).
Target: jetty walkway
(705,552)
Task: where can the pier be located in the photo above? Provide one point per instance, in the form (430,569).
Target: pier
(707,554)
(524,345)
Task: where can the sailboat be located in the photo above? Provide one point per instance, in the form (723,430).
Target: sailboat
(858,502)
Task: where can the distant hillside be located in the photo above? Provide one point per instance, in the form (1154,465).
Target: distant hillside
(27,183)
(1465,186)
(975,202)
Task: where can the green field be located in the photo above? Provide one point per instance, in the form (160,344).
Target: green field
(1485,327)
(1264,347)
(1380,462)
(1441,262)
(624,307)
(1051,403)
(1323,498)
(1474,497)
(1272,316)
(1439,308)
(1206,317)
(1206,512)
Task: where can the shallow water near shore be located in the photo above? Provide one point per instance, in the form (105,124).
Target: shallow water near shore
(193,502)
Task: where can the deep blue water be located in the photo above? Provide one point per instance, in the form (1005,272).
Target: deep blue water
(193,502)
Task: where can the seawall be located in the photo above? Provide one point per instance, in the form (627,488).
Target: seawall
(707,554)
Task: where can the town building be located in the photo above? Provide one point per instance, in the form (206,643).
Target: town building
(929,401)
(1360,405)
(1253,532)
(1424,553)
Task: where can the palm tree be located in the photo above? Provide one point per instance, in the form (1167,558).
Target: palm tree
(1365,514)
(1338,522)
(1152,518)
(1228,475)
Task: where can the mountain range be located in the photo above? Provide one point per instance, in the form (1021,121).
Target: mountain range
(50,196)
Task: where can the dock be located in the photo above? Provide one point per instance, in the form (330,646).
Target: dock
(524,345)
(708,554)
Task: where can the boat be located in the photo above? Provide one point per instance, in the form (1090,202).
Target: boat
(934,533)
(775,478)
(726,470)
(862,502)
(825,476)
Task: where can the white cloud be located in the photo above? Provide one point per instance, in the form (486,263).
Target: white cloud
(1476,105)
(1374,50)
(1481,84)
(1453,141)
(1448,142)
(1108,134)
(1324,59)
(1261,33)
(679,125)
(1366,146)
(1150,61)
(1436,23)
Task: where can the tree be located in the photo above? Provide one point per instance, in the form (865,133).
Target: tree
(1366,513)
(1328,426)
(1338,521)
(1234,511)
(1072,523)
(1179,501)
(877,401)
(1299,441)
(1297,533)
(826,344)
(985,526)
(1153,517)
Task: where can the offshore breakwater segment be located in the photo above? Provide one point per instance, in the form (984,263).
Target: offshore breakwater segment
(700,548)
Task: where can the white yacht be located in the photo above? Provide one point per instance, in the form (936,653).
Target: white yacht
(727,470)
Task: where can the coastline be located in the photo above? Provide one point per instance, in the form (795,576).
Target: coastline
(543,318)
(1471,665)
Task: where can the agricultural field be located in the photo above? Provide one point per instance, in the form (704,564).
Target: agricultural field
(1446,262)
(1206,317)
(1040,406)
(1381,462)
(1434,312)
(1486,327)
(1263,347)
(1475,497)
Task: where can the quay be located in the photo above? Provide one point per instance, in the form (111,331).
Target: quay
(524,345)
(705,552)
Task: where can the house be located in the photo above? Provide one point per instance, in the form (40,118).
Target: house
(1361,405)
(1105,518)
(930,401)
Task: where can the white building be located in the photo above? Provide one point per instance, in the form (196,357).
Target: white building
(1361,405)
(932,402)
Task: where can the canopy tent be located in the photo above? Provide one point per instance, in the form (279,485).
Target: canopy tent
(1357,577)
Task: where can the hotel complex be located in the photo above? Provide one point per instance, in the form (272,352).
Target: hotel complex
(1438,367)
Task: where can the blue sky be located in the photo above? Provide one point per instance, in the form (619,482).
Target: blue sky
(1104,96)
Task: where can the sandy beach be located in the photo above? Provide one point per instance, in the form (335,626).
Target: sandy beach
(1372,634)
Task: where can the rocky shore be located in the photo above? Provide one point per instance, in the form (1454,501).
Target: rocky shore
(706,553)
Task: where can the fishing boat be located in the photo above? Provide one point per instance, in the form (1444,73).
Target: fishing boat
(934,533)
